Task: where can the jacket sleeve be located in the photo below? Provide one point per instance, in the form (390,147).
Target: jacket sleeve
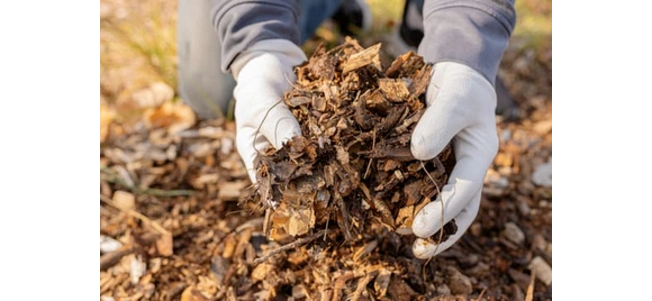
(471,32)
(241,23)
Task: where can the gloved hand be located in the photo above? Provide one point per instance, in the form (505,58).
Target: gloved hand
(461,107)
(263,73)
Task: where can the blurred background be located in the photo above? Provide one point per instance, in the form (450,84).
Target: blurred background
(170,224)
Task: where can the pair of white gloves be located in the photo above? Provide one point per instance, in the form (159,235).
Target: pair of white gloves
(461,106)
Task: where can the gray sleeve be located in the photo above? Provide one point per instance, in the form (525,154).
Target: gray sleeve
(471,32)
(241,23)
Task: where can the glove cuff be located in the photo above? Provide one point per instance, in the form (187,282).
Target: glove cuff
(287,52)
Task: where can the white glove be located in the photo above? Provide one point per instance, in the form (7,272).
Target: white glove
(461,108)
(263,73)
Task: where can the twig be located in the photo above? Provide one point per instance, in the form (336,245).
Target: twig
(328,218)
(253,142)
(529,295)
(441,227)
(267,221)
(149,191)
(164,193)
(482,294)
(373,147)
(295,244)
(424,272)
(110,259)
(137,215)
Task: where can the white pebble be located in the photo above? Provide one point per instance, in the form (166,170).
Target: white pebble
(542,174)
(108,244)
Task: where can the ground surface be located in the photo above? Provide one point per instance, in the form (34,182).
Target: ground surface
(171,228)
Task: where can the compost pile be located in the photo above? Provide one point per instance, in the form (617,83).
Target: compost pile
(351,170)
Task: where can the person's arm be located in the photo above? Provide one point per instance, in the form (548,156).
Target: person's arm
(259,48)
(241,24)
(470,32)
(465,40)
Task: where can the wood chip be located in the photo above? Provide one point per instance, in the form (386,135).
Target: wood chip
(363,58)
(347,157)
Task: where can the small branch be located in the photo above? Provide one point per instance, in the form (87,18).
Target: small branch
(295,244)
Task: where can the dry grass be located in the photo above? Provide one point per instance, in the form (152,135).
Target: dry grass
(137,49)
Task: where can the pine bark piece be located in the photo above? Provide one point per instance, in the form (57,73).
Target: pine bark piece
(394,89)
(369,56)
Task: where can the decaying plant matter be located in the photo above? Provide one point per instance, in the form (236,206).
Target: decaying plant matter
(352,169)
(186,177)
